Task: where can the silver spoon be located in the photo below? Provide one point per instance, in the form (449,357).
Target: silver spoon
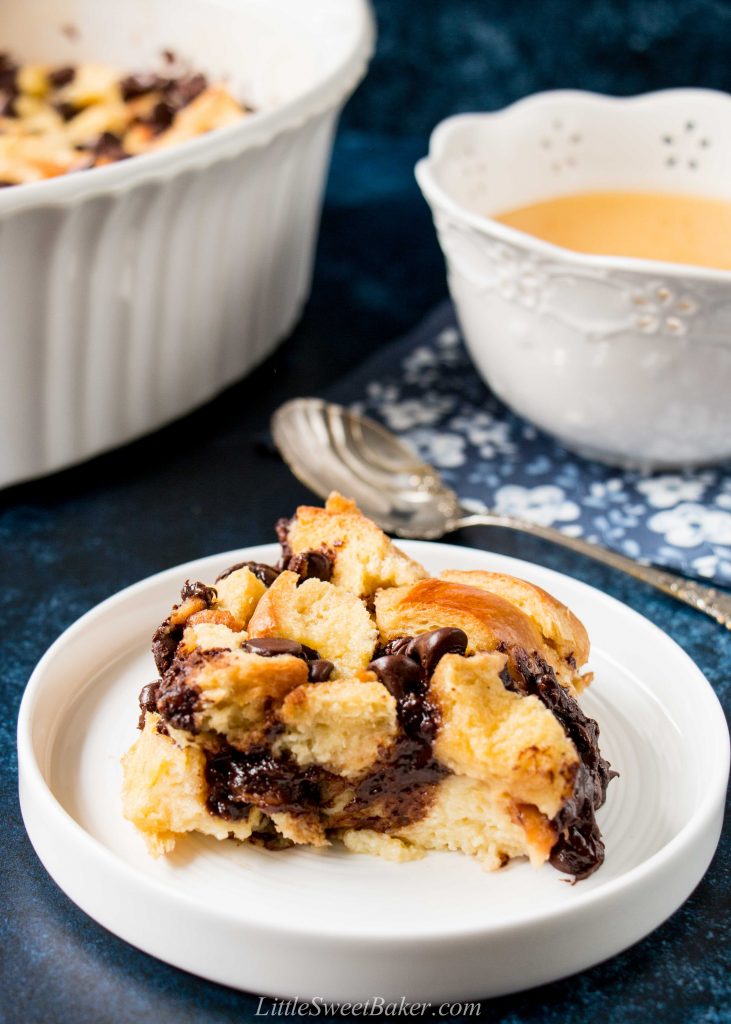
(330,448)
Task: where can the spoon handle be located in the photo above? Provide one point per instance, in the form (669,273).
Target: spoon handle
(712,602)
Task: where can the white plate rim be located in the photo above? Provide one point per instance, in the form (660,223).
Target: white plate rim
(34,785)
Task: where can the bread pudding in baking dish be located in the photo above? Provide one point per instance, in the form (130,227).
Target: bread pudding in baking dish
(55,120)
(346,695)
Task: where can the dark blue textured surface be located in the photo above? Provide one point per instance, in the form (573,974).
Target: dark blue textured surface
(207,484)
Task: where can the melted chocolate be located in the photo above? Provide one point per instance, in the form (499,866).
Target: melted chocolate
(167,636)
(312,565)
(309,565)
(134,86)
(178,698)
(109,146)
(67,111)
(179,92)
(402,782)
(281,528)
(265,573)
(61,76)
(238,780)
(165,642)
(160,117)
(148,701)
(7,104)
(579,849)
(8,85)
(8,73)
(399,788)
(176,93)
(269,839)
(272,646)
(198,590)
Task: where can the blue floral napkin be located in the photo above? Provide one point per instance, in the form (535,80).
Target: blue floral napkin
(426,389)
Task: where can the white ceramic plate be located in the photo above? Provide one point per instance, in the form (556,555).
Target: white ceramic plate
(342,926)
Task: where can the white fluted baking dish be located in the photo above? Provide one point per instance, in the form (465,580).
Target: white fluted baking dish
(625,360)
(132,293)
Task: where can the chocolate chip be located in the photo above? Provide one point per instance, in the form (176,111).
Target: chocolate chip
(282,527)
(7,104)
(271,647)
(66,110)
(178,700)
(311,565)
(181,91)
(138,85)
(429,648)
(263,572)
(161,116)
(397,646)
(319,670)
(61,76)
(8,86)
(269,840)
(108,146)
(8,74)
(398,673)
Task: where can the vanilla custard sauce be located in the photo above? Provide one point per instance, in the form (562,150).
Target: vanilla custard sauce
(645,225)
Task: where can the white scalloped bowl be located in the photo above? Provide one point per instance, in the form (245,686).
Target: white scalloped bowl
(134,292)
(624,360)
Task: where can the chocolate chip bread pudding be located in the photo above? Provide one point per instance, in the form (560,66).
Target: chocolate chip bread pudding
(55,120)
(345,694)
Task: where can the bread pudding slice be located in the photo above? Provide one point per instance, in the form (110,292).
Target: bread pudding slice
(345,696)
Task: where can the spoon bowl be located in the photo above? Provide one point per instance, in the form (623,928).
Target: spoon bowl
(329,448)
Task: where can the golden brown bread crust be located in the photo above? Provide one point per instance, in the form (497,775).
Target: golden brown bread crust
(557,623)
(364,558)
(487,619)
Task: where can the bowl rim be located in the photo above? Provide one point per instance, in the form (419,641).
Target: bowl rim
(439,198)
(253,132)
